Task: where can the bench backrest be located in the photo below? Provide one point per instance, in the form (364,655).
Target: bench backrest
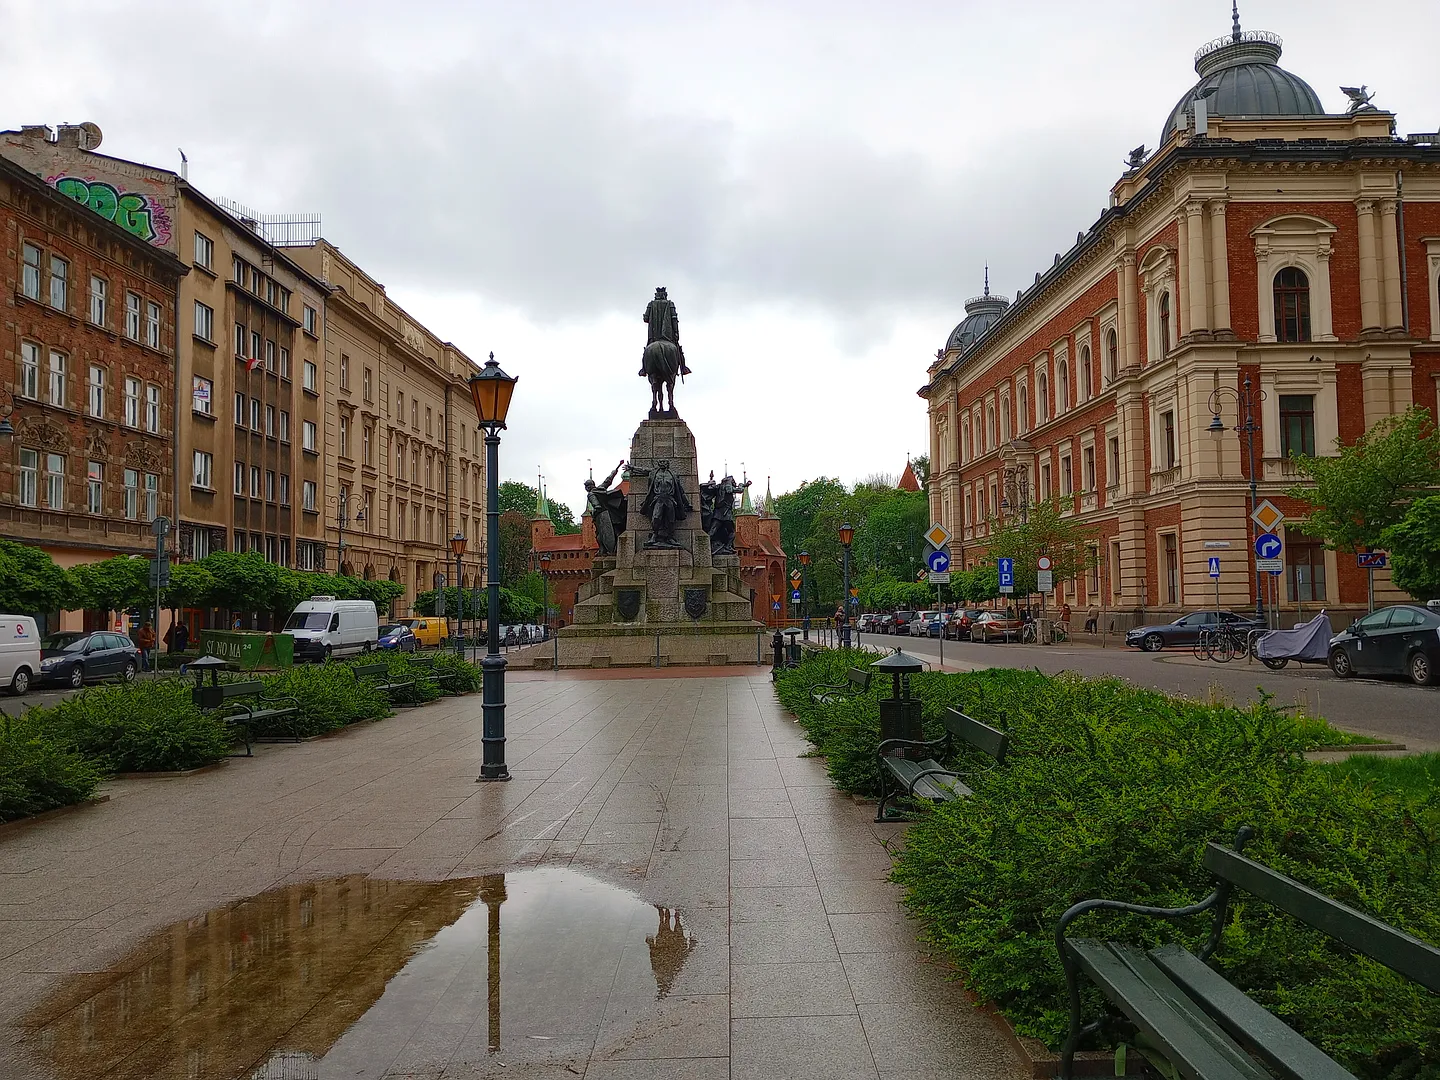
(972,732)
(860,678)
(370,669)
(1381,942)
(240,689)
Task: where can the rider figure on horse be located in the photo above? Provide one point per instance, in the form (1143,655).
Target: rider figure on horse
(664,325)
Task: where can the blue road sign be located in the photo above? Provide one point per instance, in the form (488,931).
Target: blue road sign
(775,606)
(938,561)
(1372,560)
(1215,566)
(795,596)
(1268,546)
(1006,569)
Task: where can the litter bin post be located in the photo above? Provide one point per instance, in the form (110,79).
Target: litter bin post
(901,716)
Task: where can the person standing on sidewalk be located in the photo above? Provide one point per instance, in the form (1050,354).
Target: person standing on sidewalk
(1092,620)
(842,626)
(1065,618)
(145,642)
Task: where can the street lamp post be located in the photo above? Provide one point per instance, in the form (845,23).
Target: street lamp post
(545,594)
(1247,402)
(492,390)
(342,519)
(847,537)
(804,598)
(457,547)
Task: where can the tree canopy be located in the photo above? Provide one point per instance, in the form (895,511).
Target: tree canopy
(1414,546)
(521,498)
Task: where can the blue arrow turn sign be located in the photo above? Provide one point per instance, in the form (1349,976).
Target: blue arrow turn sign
(938,561)
(1268,546)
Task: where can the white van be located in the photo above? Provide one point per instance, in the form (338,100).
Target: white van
(19,652)
(323,627)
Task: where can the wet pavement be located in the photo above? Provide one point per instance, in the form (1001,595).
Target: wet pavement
(665,889)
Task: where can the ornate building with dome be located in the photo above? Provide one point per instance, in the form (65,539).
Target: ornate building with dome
(1269,251)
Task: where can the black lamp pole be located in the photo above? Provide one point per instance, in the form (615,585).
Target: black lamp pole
(457,545)
(1247,400)
(491,390)
(804,593)
(847,537)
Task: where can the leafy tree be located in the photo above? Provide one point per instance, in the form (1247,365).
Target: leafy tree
(515,548)
(1044,532)
(921,465)
(1368,487)
(30,581)
(192,585)
(514,607)
(246,582)
(1414,546)
(111,584)
(521,499)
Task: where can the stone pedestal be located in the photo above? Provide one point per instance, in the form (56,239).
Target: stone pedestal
(679,604)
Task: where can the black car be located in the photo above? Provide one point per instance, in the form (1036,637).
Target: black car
(74,658)
(1399,640)
(1186,629)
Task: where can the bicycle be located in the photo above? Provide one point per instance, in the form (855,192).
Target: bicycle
(1028,634)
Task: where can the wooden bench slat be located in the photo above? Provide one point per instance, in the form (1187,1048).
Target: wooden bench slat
(972,732)
(1192,1042)
(1282,1048)
(1394,948)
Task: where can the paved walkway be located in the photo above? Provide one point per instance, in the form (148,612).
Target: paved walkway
(665,889)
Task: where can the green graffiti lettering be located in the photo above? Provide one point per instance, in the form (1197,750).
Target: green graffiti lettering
(133,215)
(104,200)
(75,189)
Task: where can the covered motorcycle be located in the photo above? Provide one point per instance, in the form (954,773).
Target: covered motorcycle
(1308,643)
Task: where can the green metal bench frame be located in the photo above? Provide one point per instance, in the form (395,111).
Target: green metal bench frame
(247,712)
(382,670)
(1206,1027)
(857,681)
(922,778)
(428,664)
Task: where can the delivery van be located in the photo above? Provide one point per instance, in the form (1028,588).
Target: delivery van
(324,627)
(19,652)
(431,631)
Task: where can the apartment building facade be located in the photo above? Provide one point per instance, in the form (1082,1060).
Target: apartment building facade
(405,467)
(1265,240)
(89,349)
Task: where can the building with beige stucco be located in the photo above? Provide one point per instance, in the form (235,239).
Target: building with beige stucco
(1266,239)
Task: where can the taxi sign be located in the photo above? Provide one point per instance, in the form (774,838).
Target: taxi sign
(1267,515)
(937,536)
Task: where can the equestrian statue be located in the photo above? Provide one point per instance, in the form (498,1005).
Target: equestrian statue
(663,359)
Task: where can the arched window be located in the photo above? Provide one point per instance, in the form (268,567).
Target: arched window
(1082,374)
(1292,305)
(1062,389)
(989,427)
(1042,398)
(1164,312)
(966,452)
(1112,356)
(1005,422)
(1024,420)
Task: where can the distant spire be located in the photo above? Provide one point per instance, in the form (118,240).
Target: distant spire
(1235,20)
(745,505)
(987,279)
(542,505)
(769,502)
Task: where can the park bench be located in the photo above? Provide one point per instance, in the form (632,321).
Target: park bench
(426,664)
(390,687)
(1206,1027)
(857,682)
(253,707)
(927,778)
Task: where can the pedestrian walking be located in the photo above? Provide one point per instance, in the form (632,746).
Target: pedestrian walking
(145,642)
(1092,620)
(182,637)
(842,626)
(1065,618)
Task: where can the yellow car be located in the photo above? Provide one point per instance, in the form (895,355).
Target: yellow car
(430,632)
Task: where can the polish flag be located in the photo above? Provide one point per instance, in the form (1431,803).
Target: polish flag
(251,362)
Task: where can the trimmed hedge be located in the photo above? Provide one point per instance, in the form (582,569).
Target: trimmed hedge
(144,726)
(330,697)
(1109,790)
(38,771)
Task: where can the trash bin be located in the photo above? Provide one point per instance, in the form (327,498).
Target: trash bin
(901,716)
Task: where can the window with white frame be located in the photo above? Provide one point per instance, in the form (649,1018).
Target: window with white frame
(256,346)
(204,321)
(237,270)
(254,414)
(307,435)
(270,420)
(308,380)
(284,426)
(1042,398)
(95,487)
(152,496)
(202,390)
(366,444)
(269,485)
(31,258)
(284,489)
(203,469)
(132,494)
(199,545)
(97,391)
(344,372)
(28,482)
(284,362)
(55,481)
(344,426)
(204,251)
(1082,374)
(132,315)
(1295,306)
(1087,457)
(29,370)
(99,296)
(152,324)
(269,355)
(309,320)
(1067,476)
(133,390)
(152,409)
(59,363)
(59,283)
(307,494)
(239,478)
(240,338)
(1062,388)
(240,411)
(255,481)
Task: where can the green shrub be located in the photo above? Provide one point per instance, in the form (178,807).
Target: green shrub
(38,771)
(147,726)
(1114,791)
(467,675)
(330,697)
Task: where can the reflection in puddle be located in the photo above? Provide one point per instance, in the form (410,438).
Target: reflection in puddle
(357,977)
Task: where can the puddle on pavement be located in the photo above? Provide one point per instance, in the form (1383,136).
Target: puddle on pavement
(355,977)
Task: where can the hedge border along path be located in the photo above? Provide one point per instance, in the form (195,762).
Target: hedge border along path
(1109,790)
(57,755)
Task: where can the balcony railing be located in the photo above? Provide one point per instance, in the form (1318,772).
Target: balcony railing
(1088,501)
(1280,469)
(1162,479)
(1112,494)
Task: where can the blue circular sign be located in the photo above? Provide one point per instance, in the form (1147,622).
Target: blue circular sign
(1268,546)
(938,561)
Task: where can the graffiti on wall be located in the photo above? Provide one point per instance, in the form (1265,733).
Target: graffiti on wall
(137,214)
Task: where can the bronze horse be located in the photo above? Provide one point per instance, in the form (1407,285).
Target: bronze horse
(661,364)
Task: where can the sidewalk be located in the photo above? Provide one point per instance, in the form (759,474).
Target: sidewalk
(665,889)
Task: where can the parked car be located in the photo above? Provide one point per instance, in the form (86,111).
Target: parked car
(901,622)
(1399,640)
(73,658)
(935,625)
(866,623)
(961,622)
(19,652)
(884,624)
(919,625)
(430,631)
(323,627)
(1186,629)
(995,624)
(399,637)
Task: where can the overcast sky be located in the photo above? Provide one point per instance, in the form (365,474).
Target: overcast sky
(819,183)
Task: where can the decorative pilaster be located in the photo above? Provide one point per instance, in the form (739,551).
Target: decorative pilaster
(1390,265)
(1182,278)
(1220,265)
(1369,271)
(1199,298)
(1128,309)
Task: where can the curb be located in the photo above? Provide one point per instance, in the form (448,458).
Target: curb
(171,773)
(56,812)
